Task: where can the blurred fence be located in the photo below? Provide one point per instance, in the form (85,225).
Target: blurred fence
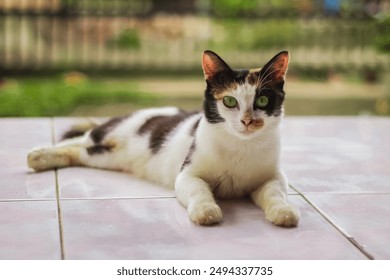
(90,35)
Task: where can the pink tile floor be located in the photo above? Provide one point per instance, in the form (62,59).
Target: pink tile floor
(339,170)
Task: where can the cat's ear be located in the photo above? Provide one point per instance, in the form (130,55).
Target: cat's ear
(213,64)
(275,70)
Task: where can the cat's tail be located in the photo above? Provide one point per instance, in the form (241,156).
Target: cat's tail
(81,128)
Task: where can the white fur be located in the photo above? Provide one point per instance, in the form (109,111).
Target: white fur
(227,162)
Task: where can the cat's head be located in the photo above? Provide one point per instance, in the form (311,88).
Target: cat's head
(245,102)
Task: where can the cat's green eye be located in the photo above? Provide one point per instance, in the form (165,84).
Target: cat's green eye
(261,101)
(230,101)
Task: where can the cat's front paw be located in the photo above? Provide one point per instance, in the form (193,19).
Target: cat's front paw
(205,213)
(283,215)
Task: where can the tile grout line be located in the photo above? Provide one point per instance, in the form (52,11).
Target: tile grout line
(347,193)
(352,240)
(119,198)
(59,211)
(25,199)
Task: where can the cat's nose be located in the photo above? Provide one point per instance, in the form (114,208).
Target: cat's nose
(247,122)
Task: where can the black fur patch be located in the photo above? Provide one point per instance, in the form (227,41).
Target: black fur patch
(220,82)
(239,76)
(211,110)
(98,149)
(188,159)
(275,96)
(99,132)
(160,127)
(72,134)
(194,127)
(210,106)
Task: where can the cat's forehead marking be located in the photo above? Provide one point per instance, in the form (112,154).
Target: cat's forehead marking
(245,89)
(253,76)
(221,91)
(244,83)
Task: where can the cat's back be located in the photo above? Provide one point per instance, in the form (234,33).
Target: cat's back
(158,141)
(142,142)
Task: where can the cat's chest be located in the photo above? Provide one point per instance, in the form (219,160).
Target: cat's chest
(237,172)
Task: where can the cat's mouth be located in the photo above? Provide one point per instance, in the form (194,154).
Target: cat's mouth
(247,131)
(253,126)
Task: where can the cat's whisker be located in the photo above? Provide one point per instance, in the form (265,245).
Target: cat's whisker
(266,71)
(263,84)
(261,74)
(270,73)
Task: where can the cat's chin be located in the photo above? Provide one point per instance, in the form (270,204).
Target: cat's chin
(246,134)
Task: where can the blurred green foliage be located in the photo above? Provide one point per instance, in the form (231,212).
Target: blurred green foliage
(60,96)
(130,6)
(383,39)
(128,39)
(232,7)
(248,34)
(253,35)
(239,8)
(356,9)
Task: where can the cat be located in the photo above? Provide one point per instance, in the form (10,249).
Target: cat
(229,150)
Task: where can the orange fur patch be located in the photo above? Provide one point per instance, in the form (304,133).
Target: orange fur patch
(110,144)
(222,91)
(256,124)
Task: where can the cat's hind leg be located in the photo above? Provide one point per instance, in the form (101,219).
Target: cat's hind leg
(64,154)
(92,145)
(272,198)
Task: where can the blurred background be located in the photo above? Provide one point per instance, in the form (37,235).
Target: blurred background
(110,57)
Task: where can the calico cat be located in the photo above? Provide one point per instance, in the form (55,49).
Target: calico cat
(229,150)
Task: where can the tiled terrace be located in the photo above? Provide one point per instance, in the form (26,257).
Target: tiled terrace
(339,170)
